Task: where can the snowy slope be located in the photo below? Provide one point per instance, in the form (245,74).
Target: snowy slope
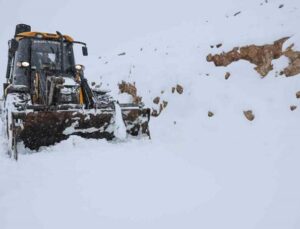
(196,171)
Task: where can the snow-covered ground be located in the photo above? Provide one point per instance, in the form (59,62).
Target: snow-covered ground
(196,171)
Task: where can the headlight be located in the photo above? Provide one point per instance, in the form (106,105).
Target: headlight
(25,64)
(79,67)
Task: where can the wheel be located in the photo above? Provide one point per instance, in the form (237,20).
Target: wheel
(15,138)
(12,137)
(15,147)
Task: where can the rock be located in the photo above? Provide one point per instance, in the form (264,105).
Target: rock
(165,104)
(237,13)
(227,75)
(122,54)
(298,95)
(249,115)
(293,107)
(160,108)
(154,113)
(280,6)
(179,89)
(219,45)
(156,100)
(210,114)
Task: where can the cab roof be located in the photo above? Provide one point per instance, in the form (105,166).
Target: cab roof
(41,35)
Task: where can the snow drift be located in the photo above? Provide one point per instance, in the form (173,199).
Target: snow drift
(197,171)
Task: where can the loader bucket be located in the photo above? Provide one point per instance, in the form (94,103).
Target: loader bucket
(45,128)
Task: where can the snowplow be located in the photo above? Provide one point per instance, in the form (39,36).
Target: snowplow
(46,97)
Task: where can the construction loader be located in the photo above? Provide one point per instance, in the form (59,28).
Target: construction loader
(47,97)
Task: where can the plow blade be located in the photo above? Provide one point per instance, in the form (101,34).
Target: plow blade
(45,128)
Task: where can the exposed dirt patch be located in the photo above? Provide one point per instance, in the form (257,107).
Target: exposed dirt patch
(155,113)
(261,56)
(130,88)
(294,62)
(162,104)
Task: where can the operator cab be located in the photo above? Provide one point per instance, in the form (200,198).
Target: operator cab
(47,55)
(43,53)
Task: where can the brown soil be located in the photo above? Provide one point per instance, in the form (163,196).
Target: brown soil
(261,56)
(129,88)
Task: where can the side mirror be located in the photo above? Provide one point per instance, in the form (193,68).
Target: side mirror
(13,45)
(84,51)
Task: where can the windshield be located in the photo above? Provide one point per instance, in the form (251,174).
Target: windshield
(47,55)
